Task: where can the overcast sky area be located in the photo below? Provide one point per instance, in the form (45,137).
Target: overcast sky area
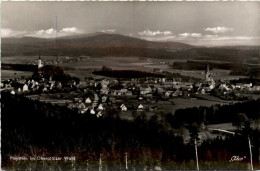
(198,23)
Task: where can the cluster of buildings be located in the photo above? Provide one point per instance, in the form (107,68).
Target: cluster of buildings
(58,60)
(94,95)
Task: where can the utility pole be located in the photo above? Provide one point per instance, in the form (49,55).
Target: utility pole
(249,143)
(251,157)
(100,162)
(126,168)
(196,151)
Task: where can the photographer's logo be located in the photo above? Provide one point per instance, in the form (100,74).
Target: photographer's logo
(236,158)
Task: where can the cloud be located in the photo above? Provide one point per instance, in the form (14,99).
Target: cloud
(216,30)
(233,38)
(160,38)
(195,35)
(70,30)
(109,31)
(210,36)
(205,40)
(5,33)
(218,40)
(185,35)
(155,33)
(48,33)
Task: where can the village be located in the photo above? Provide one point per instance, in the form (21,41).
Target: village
(95,95)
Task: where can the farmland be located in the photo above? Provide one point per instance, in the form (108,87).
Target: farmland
(10,74)
(83,66)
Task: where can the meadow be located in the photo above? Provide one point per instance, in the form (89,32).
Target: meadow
(10,74)
(83,66)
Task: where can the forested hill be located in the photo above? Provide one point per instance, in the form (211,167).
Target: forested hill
(35,128)
(99,44)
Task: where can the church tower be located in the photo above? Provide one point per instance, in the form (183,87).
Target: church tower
(40,65)
(207,74)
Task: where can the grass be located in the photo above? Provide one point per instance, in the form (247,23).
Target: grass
(138,164)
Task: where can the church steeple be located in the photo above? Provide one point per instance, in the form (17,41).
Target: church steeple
(40,65)
(207,74)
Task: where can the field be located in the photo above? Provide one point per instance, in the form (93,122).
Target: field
(10,74)
(169,106)
(83,66)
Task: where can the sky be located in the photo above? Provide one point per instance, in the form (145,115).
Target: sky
(197,23)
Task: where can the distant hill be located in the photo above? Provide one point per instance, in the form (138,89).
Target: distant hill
(97,44)
(103,44)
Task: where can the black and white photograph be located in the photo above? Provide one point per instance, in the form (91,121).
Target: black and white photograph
(133,85)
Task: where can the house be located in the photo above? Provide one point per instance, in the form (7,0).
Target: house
(207,87)
(168,93)
(100,107)
(99,114)
(123,91)
(52,86)
(104,83)
(82,84)
(25,88)
(256,88)
(92,111)
(198,84)
(152,108)
(104,99)
(104,90)
(114,92)
(187,86)
(239,86)
(162,79)
(81,106)
(123,107)
(8,85)
(88,100)
(140,107)
(59,85)
(85,110)
(223,87)
(71,106)
(247,85)
(77,99)
(145,90)
(177,93)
